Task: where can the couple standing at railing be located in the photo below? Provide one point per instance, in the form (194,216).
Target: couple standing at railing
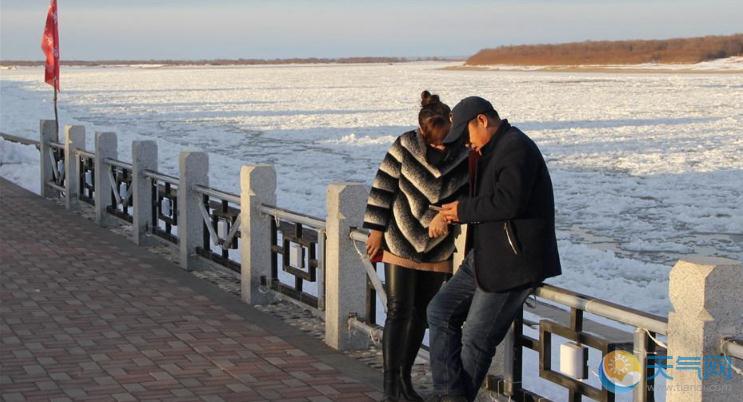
(465,165)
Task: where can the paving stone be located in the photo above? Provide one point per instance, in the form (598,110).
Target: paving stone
(93,316)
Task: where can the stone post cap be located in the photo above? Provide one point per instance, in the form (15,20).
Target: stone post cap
(347,198)
(258,177)
(192,156)
(139,143)
(348,190)
(257,169)
(188,152)
(700,283)
(70,128)
(47,124)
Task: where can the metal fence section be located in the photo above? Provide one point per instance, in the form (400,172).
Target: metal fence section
(120,176)
(376,293)
(642,343)
(221,213)
(164,204)
(86,176)
(56,156)
(297,250)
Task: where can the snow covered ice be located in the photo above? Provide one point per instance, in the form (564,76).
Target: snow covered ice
(647,167)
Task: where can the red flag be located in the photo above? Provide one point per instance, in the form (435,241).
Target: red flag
(50,46)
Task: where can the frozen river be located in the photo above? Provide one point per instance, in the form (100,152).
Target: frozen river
(647,168)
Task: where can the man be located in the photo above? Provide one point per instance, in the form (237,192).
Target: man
(511,248)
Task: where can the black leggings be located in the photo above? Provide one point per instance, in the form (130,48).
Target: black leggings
(408,293)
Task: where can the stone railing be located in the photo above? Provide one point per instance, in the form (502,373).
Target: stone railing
(317,263)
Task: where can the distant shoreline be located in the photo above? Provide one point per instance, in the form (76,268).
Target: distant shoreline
(607,69)
(230,62)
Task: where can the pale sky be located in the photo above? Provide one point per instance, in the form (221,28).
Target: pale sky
(208,29)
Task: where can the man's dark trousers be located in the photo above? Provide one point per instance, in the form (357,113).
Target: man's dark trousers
(461,356)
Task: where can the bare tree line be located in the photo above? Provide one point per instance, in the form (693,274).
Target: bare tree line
(683,50)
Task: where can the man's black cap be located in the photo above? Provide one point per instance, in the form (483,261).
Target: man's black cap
(466,110)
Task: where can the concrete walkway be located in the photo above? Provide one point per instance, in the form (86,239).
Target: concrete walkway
(87,315)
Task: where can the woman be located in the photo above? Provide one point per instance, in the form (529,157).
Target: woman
(411,238)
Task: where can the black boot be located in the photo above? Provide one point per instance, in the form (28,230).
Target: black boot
(403,333)
(407,392)
(391,385)
(415,332)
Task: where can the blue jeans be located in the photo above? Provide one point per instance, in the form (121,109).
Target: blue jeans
(461,356)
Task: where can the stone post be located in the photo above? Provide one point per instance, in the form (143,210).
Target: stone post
(105,147)
(257,187)
(345,277)
(707,305)
(48,133)
(74,139)
(194,170)
(144,157)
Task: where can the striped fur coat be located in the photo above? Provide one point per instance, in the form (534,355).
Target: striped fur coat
(404,187)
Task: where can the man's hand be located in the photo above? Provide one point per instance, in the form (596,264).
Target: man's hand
(450,211)
(438,227)
(374,243)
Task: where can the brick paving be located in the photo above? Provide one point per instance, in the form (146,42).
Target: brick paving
(87,315)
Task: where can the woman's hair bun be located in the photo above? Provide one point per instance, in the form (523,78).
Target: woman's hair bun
(428,99)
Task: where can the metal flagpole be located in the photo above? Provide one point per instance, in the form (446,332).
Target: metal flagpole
(56,114)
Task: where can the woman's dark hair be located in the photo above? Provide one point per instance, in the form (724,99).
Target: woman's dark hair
(434,114)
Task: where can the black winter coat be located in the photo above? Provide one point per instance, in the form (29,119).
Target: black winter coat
(512,214)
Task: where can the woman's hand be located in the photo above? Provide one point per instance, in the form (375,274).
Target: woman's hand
(438,227)
(374,243)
